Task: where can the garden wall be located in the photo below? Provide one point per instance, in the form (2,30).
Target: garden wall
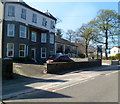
(60,67)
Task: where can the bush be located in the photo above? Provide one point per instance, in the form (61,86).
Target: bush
(117,56)
(18,59)
(112,58)
(81,55)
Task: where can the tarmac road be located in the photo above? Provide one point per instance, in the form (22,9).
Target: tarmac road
(97,88)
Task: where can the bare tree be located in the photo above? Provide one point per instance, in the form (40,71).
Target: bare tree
(88,33)
(59,32)
(70,35)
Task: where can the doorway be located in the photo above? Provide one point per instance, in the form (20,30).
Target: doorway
(33,54)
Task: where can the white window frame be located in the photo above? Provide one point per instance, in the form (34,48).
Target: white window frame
(23,13)
(52,38)
(34,18)
(52,25)
(10,49)
(43,52)
(33,36)
(11,11)
(43,37)
(44,22)
(22,50)
(11,30)
(23,32)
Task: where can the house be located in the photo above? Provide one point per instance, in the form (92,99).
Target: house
(114,50)
(26,32)
(65,47)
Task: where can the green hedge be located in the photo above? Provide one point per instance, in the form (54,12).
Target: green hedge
(116,57)
(25,59)
(81,55)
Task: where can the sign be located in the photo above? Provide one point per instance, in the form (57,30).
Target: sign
(108,51)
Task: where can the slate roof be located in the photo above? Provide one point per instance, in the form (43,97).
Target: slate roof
(63,41)
(26,5)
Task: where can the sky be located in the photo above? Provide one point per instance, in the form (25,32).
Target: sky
(72,14)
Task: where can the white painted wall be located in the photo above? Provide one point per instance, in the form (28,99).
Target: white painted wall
(114,51)
(28,20)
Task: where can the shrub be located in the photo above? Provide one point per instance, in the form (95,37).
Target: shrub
(18,59)
(117,56)
(112,58)
(81,55)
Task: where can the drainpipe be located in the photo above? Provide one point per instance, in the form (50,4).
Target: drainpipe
(3,18)
(55,48)
(1,56)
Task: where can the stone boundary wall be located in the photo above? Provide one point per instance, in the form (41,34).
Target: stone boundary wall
(60,67)
(111,62)
(6,66)
(79,59)
(30,70)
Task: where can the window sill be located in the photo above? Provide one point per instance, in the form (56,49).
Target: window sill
(10,36)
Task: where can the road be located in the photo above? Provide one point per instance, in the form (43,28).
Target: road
(87,86)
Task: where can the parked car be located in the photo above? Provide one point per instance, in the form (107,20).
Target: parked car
(59,58)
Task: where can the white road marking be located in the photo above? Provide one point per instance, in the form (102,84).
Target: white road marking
(111,73)
(82,81)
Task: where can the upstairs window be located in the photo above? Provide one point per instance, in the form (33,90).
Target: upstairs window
(23,13)
(10,50)
(52,38)
(34,18)
(11,11)
(34,36)
(44,22)
(43,38)
(22,32)
(10,30)
(52,25)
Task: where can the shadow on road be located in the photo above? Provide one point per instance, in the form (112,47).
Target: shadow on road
(43,94)
(100,68)
(19,82)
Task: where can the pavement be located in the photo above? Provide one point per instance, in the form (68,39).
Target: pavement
(21,85)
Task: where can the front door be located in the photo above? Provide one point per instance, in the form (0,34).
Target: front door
(33,54)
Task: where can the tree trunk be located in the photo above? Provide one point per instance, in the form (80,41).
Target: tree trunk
(86,50)
(106,44)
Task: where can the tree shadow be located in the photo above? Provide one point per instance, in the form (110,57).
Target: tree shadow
(42,94)
(19,84)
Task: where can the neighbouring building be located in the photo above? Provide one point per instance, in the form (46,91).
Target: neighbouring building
(65,47)
(26,32)
(114,50)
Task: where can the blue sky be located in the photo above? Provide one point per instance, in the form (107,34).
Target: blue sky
(73,14)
